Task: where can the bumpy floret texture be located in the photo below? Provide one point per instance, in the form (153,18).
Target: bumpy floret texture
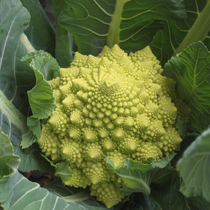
(114,105)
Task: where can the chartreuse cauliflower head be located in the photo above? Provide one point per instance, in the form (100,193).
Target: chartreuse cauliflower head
(114,105)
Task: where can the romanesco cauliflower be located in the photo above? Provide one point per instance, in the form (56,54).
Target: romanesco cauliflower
(112,105)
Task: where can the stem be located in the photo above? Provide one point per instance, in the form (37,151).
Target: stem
(113,36)
(13,114)
(26,43)
(198,31)
(80,196)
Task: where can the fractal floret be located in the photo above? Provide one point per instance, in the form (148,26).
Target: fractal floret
(114,105)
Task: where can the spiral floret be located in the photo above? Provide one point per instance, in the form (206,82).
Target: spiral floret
(107,193)
(114,105)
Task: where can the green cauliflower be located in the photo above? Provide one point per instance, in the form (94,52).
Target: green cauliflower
(114,105)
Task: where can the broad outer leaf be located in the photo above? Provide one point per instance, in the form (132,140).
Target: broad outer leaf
(194,167)
(17,192)
(78,199)
(64,40)
(8,161)
(188,138)
(40,32)
(139,201)
(177,35)
(130,24)
(192,71)
(13,123)
(15,77)
(138,176)
(31,159)
(169,196)
(56,186)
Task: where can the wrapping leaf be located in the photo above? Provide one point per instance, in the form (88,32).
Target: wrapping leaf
(194,167)
(138,176)
(41,97)
(169,196)
(64,41)
(16,78)
(32,196)
(43,62)
(8,161)
(192,71)
(177,35)
(40,32)
(78,199)
(130,24)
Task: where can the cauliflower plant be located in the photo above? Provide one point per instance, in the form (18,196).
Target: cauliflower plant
(114,105)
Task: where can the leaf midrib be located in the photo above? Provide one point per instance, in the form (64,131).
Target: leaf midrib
(113,36)
(13,114)
(199,31)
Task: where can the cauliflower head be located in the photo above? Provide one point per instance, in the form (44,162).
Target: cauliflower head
(114,105)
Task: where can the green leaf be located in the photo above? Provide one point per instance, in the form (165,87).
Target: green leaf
(138,176)
(16,192)
(63,171)
(43,62)
(42,103)
(48,67)
(41,97)
(169,196)
(130,24)
(8,161)
(16,78)
(31,158)
(13,123)
(11,118)
(78,199)
(34,125)
(40,32)
(64,40)
(187,140)
(177,35)
(140,201)
(192,71)
(200,29)
(194,167)
(33,134)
